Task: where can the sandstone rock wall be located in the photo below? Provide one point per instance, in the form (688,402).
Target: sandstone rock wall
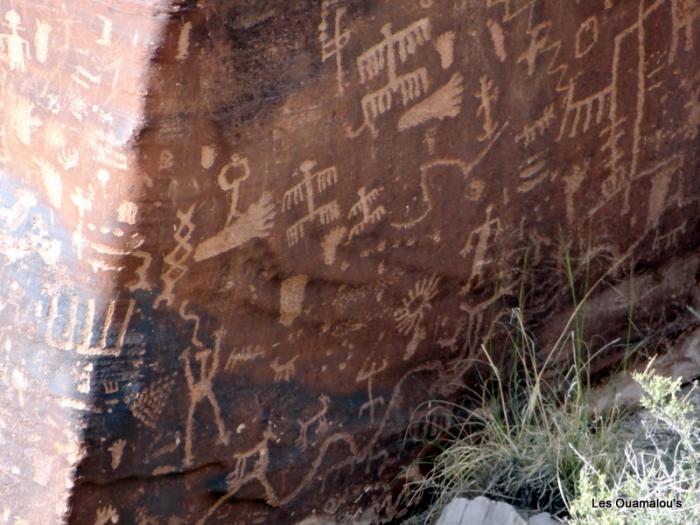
(243,241)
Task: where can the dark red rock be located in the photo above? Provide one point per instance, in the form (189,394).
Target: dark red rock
(243,241)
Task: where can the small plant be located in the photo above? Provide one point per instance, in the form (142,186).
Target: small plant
(659,482)
(524,441)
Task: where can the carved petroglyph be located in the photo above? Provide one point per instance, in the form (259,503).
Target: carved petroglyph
(319,419)
(536,129)
(147,404)
(13,45)
(487,95)
(445,46)
(247,353)
(587,36)
(532,173)
(207,156)
(202,389)
(478,243)
(112,331)
(362,209)
(410,315)
(292,298)
(106,515)
(240,227)
(465,170)
(176,259)
(395,48)
(445,102)
(311,184)
(330,244)
(183,41)
(666,241)
(572,184)
(284,371)
(117,452)
(126,212)
(53,183)
(684,13)
(367,373)
(498,38)
(334,40)
(41,40)
(21,120)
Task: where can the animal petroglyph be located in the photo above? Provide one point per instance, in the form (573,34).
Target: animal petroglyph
(312,183)
(487,95)
(284,371)
(240,227)
(202,389)
(394,49)
(318,419)
(532,131)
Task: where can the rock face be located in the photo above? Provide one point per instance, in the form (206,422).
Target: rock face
(243,240)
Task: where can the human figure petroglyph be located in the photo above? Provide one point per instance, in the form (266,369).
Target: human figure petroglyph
(367,373)
(332,44)
(240,227)
(202,389)
(67,339)
(176,260)
(318,418)
(362,209)
(488,95)
(312,183)
(385,56)
(478,243)
(15,47)
(444,102)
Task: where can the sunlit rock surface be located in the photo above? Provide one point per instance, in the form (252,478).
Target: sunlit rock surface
(243,240)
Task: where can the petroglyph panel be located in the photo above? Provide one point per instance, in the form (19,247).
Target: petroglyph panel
(242,241)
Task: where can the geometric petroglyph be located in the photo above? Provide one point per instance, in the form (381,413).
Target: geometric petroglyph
(175,260)
(147,404)
(332,46)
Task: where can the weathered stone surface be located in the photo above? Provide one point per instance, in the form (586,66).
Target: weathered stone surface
(243,240)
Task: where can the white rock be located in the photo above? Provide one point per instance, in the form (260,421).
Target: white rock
(479,511)
(543,518)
